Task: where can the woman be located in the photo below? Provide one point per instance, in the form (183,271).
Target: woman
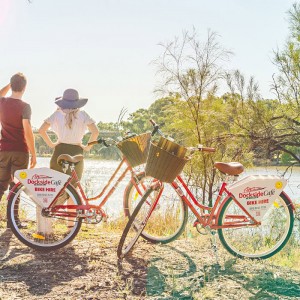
(69,124)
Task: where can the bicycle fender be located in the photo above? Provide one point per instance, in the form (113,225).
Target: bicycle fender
(290,200)
(13,189)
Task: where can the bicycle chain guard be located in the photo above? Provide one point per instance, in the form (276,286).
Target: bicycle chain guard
(92,216)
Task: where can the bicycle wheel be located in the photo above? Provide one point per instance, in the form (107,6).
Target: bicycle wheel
(261,241)
(131,195)
(132,231)
(36,231)
(166,223)
(170,216)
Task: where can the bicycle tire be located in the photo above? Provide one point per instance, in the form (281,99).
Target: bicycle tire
(131,196)
(29,226)
(258,242)
(123,247)
(137,221)
(171,233)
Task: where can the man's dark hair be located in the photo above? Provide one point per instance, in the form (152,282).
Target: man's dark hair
(18,82)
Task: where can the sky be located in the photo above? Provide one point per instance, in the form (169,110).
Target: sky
(104,48)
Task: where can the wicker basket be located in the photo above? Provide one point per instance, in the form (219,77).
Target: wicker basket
(163,165)
(171,147)
(135,149)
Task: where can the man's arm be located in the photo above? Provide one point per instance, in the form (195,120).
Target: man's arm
(4,90)
(29,137)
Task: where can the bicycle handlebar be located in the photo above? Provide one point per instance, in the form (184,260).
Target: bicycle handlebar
(101,141)
(93,143)
(104,142)
(206,149)
(156,128)
(201,148)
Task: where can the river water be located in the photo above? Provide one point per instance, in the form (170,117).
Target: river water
(98,172)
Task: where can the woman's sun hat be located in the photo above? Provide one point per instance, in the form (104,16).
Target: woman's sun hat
(70,100)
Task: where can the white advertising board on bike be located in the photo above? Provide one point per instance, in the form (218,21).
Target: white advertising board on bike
(43,184)
(257,193)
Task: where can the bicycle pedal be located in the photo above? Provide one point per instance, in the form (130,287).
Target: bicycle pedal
(38,236)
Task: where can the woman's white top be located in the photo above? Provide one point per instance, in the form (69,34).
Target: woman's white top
(68,135)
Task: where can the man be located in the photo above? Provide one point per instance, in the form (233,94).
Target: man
(16,139)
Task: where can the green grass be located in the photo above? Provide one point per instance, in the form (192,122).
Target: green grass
(288,257)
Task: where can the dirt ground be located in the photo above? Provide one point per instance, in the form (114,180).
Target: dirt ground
(185,269)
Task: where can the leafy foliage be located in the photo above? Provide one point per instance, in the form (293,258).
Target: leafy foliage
(240,124)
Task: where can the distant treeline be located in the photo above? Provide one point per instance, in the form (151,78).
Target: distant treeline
(241,124)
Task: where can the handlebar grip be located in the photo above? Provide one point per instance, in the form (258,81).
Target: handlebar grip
(152,122)
(155,128)
(99,141)
(207,149)
(93,143)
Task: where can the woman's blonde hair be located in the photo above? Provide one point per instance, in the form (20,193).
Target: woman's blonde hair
(70,116)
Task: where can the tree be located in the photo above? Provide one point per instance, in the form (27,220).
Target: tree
(138,121)
(190,72)
(286,86)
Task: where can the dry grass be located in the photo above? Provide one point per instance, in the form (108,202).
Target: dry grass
(184,269)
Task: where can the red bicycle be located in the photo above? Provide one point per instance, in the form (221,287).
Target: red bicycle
(45,211)
(253,216)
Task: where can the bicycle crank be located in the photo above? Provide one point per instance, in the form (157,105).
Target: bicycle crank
(202,230)
(92,216)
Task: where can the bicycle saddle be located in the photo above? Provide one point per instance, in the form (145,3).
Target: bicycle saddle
(72,159)
(232,168)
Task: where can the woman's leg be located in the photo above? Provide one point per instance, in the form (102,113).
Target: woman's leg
(71,150)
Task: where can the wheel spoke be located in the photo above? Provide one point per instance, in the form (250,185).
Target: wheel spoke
(36,230)
(256,241)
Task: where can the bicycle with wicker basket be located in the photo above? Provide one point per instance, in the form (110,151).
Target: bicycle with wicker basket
(253,216)
(45,211)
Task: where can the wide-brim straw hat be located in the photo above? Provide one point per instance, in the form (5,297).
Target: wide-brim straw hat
(70,100)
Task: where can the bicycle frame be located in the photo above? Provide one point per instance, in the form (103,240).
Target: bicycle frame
(73,210)
(210,219)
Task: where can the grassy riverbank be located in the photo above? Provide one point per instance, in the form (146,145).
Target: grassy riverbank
(185,269)
(88,268)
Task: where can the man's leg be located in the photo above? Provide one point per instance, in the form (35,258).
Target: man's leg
(19,161)
(5,178)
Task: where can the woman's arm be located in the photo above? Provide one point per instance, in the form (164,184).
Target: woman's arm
(43,132)
(94,134)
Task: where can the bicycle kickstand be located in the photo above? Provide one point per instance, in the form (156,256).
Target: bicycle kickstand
(213,241)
